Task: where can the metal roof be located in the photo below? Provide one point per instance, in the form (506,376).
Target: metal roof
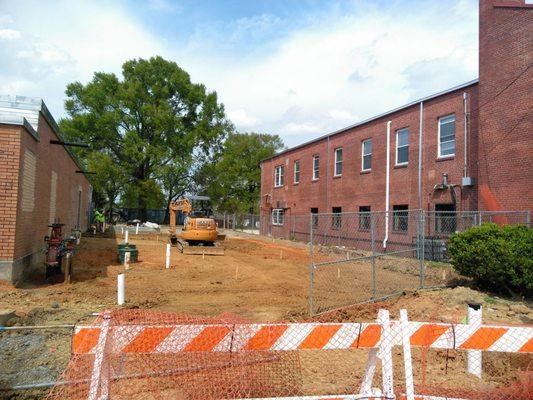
(366,121)
(22,110)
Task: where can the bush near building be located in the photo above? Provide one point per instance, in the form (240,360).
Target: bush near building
(497,258)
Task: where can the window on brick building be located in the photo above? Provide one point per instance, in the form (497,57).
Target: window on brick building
(402,146)
(297,171)
(277,216)
(366,158)
(447,136)
(314,212)
(445,218)
(336,218)
(316,167)
(364,218)
(400,218)
(279,173)
(338,162)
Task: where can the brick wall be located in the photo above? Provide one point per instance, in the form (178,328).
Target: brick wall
(9,175)
(356,188)
(26,222)
(506,105)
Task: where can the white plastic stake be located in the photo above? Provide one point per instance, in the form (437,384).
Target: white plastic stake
(121,289)
(407,360)
(167,264)
(126,236)
(122,230)
(137,229)
(94,231)
(473,357)
(127,260)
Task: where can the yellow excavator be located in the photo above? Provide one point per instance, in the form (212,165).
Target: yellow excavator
(199,234)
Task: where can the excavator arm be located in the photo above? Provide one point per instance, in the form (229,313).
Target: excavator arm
(183,205)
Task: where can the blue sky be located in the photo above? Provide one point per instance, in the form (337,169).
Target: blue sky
(296,68)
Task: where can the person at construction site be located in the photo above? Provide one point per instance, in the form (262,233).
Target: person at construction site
(99,219)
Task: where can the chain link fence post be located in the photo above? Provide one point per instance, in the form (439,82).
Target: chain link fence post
(421,246)
(311,265)
(373,247)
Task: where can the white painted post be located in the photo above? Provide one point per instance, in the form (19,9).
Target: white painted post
(126,236)
(121,289)
(127,260)
(122,230)
(137,229)
(474,357)
(94,231)
(99,376)
(167,264)
(407,360)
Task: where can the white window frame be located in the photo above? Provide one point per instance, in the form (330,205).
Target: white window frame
(440,155)
(337,162)
(405,145)
(363,155)
(316,171)
(279,172)
(278,216)
(296,171)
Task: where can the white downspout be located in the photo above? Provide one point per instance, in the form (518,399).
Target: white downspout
(465,100)
(420,147)
(387,187)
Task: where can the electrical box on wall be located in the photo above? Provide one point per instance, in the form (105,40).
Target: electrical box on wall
(468,181)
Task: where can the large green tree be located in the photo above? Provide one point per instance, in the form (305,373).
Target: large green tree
(233,179)
(149,122)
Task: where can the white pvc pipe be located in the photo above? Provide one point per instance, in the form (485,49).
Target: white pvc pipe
(121,289)
(126,236)
(167,264)
(465,111)
(387,188)
(420,148)
(474,357)
(127,260)
(137,229)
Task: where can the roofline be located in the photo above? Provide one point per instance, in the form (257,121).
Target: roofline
(36,104)
(22,121)
(366,121)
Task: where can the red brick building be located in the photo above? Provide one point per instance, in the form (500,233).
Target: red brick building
(477,136)
(39,184)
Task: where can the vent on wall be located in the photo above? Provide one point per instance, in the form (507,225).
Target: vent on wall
(29,165)
(281,204)
(53,197)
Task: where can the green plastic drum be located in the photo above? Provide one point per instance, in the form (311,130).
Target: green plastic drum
(123,250)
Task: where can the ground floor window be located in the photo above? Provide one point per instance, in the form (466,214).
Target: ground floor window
(277,216)
(336,219)
(445,218)
(400,218)
(364,218)
(314,212)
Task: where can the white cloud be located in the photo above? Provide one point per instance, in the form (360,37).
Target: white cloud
(9,34)
(305,128)
(242,118)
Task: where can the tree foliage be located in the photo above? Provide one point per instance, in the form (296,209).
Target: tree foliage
(233,179)
(499,258)
(146,126)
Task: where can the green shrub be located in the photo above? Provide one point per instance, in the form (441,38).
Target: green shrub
(498,258)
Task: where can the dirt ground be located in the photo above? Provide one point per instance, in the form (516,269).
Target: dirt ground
(258,278)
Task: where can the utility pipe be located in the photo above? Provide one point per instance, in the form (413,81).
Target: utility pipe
(387,188)
(465,111)
(420,146)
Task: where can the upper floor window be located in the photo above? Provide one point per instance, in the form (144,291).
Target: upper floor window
(402,146)
(297,171)
(447,136)
(338,162)
(366,159)
(279,172)
(316,167)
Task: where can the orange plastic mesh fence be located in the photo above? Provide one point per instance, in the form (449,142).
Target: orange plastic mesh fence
(134,354)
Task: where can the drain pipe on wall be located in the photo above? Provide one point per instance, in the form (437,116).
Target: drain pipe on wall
(420,147)
(387,188)
(465,102)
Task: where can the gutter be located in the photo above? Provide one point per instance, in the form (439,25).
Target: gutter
(387,188)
